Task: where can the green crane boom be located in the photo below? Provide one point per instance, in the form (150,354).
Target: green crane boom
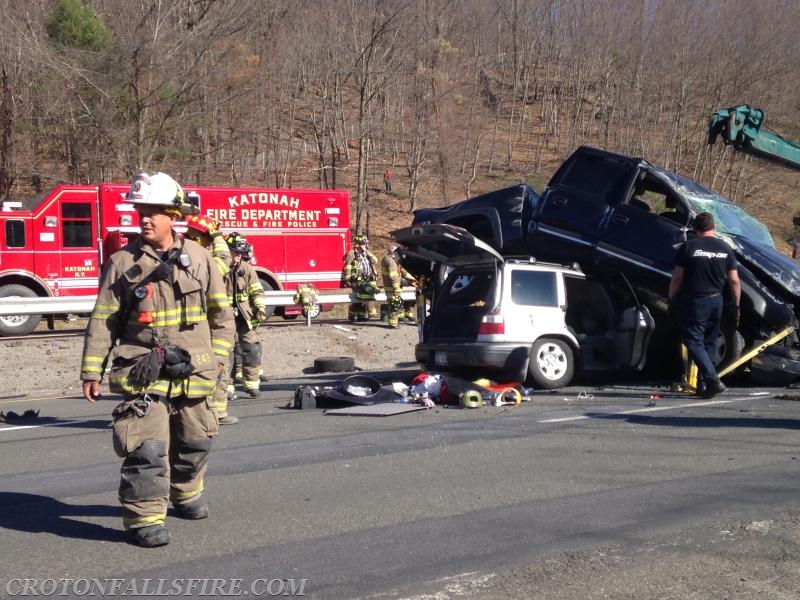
(740,127)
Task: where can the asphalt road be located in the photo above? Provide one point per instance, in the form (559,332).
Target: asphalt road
(585,492)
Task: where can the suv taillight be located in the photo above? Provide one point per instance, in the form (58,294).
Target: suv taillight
(492,325)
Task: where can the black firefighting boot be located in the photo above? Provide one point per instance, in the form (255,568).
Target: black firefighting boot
(151,536)
(195,510)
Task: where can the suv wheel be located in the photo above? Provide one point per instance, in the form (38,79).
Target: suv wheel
(551,364)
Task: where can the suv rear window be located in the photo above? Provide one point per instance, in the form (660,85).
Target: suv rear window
(534,288)
(472,288)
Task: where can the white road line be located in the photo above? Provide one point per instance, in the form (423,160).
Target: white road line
(637,411)
(58,424)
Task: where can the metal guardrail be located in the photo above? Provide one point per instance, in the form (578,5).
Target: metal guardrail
(84,304)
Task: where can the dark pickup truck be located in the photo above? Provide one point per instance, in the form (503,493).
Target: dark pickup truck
(622,219)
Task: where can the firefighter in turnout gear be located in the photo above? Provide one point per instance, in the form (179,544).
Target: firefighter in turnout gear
(394,278)
(250,307)
(360,272)
(205,231)
(163,325)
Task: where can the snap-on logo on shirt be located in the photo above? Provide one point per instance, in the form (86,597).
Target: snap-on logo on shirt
(706,254)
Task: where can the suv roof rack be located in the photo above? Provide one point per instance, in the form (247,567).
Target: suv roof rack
(531,260)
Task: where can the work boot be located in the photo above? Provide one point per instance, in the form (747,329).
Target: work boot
(228,420)
(713,387)
(253,392)
(191,510)
(263,378)
(151,536)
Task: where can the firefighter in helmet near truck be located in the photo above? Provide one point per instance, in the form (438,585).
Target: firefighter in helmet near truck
(163,323)
(250,307)
(360,272)
(205,231)
(394,277)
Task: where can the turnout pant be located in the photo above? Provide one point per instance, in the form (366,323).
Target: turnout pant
(247,352)
(165,452)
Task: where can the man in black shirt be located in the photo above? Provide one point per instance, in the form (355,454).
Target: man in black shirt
(703,266)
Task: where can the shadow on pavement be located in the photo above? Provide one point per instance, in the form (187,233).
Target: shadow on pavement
(40,514)
(673,421)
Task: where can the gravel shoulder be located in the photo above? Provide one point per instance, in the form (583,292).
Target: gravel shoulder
(51,366)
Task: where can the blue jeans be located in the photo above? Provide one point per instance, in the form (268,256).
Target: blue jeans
(700,323)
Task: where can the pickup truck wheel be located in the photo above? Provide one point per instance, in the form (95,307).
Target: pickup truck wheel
(18,324)
(551,364)
(729,348)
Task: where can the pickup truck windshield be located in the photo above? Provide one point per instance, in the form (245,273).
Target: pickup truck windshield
(730,219)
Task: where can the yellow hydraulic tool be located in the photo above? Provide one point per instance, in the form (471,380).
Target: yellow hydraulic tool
(689,383)
(756,350)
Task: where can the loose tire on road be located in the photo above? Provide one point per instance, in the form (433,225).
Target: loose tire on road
(334,364)
(552,364)
(18,324)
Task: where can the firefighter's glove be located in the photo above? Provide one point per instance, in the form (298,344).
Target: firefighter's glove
(177,362)
(261,315)
(148,367)
(163,272)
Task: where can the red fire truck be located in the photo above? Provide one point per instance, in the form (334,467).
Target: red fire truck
(54,244)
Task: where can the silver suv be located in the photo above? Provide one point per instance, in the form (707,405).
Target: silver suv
(514,319)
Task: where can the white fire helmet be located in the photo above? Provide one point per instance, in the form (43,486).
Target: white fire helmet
(158,190)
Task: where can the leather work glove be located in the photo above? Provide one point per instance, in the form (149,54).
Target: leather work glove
(147,368)
(177,362)
(730,319)
(261,315)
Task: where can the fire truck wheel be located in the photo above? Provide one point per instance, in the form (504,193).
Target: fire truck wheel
(18,324)
(334,364)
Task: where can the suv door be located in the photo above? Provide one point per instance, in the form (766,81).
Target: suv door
(632,337)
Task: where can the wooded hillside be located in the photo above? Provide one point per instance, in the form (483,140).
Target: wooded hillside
(457,96)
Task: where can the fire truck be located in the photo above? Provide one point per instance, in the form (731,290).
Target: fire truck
(54,244)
